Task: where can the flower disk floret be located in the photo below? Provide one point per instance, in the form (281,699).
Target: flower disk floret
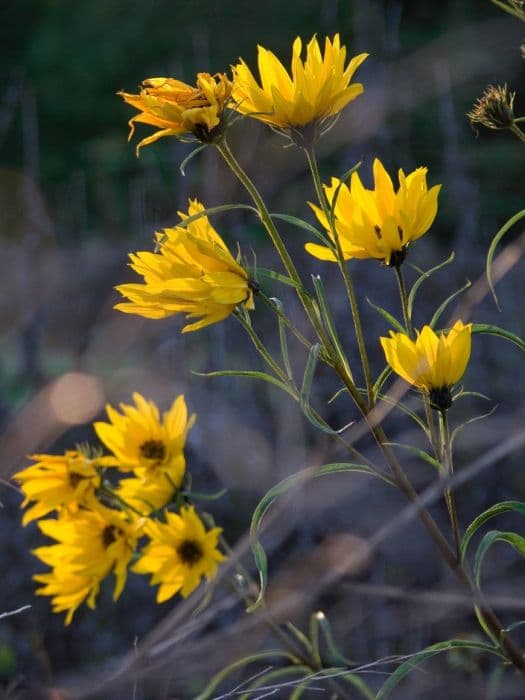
(319,86)
(377,223)
(180,552)
(192,273)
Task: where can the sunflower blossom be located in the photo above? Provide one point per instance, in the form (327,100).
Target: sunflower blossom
(151,447)
(57,482)
(432,362)
(318,87)
(179,554)
(378,223)
(175,108)
(90,546)
(193,273)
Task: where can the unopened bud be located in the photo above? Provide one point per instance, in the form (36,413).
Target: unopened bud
(494,109)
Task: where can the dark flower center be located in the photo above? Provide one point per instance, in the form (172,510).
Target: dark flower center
(109,535)
(190,552)
(153,449)
(441,398)
(75,479)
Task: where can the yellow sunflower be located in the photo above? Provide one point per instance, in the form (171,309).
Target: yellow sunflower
(91,545)
(377,223)
(179,554)
(318,87)
(432,362)
(175,108)
(57,482)
(193,273)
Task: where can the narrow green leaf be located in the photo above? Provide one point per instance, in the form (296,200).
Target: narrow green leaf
(264,681)
(460,427)
(295,221)
(516,541)
(492,249)
(278,490)
(240,663)
(424,276)
(186,160)
(425,654)
(378,384)
(418,453)
(357,682)
(348,174)
(271,274)
(500,332)
(388,316)
(328,322)
(251,374)
(195,495)
(282,338)
(334,655)
(492,512)
(405,409)
(311,364)
(437,315)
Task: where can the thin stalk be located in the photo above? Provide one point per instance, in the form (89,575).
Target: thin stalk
(107,491)
(264,214)
(297,333)
(261,349)
(446,460)
(267,221)
(403,297)
(404,300)
(312,162)
(518,132)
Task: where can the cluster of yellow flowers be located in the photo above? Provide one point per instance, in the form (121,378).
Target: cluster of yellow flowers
(102,521)
(100,524)
(194,273)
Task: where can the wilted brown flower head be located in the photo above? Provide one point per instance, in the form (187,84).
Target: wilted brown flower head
(494,109)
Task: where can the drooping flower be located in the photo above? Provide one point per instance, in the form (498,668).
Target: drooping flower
(143,443)
(378,223)
(318,87)
(90,545)
(179,554)
(193,273)
(432,362)
(175,108)
(57,482)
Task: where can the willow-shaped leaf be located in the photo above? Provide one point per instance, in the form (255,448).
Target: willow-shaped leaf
(378,384)
(191,155)
(492,512)
(282,338)
(418,453)
(460,427)
(492,248)
(250,374)
(439,311)
(241,663)
(328,322)
(333,653)
(278,490)
(516,541)
(272,275)
(388,316)
(266,683)
(309,412)
(403,408)
(338,674)
(421,656)
(300,223)
(342,181)
(424,276)
(500,332)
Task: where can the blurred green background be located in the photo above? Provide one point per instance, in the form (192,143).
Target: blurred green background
(74,200)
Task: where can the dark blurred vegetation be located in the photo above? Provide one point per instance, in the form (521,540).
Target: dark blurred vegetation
(74,200)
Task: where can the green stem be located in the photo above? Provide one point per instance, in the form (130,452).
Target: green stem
(267,221)
(108,491)
(264,214)
(404,300)
(446,460)
(517,132)
(312,162)
(300,337)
